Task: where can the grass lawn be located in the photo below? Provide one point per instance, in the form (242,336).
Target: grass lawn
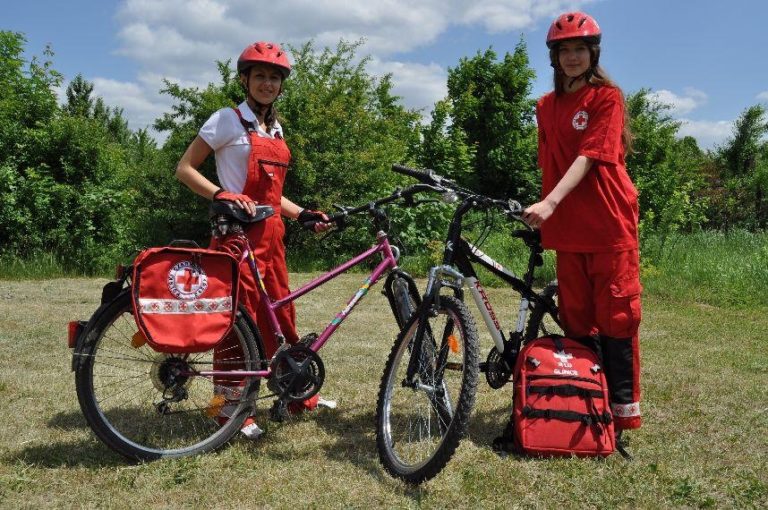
(703,443)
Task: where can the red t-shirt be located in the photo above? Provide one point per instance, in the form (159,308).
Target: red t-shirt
(600,214)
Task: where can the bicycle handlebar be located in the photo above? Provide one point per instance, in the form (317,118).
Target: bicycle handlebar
(428,176)
(406,193)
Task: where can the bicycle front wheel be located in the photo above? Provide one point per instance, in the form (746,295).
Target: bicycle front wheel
(420,421)
(148,405)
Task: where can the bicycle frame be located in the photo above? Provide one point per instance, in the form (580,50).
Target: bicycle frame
(389,254)
(462,254)
(522,286)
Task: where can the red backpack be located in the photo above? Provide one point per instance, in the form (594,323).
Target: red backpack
(184,299)
(561,404)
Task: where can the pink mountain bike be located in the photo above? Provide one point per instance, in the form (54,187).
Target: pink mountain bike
(148,405)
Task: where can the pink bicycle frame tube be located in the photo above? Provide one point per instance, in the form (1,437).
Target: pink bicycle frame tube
(389,262)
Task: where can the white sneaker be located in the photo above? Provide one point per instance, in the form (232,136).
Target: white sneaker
(328,404)
(251,430)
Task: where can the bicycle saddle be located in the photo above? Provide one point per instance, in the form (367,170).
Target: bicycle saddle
(225,208)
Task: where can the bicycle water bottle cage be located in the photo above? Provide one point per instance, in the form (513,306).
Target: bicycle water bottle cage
(225,208)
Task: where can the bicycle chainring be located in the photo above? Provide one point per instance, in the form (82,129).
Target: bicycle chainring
(498,372)
(298,373)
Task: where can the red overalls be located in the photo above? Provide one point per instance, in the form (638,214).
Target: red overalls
(594,232)
(267,166)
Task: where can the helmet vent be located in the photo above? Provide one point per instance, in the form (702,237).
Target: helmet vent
(558,25)
(583,20)
(570,18)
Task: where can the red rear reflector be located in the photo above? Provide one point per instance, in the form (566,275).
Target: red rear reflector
(74,328)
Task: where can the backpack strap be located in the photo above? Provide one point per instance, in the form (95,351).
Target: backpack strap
(598,420)
(505,443)
(558,340)
(565,390)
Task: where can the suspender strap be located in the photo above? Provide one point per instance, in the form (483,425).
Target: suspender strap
(565,390)
(248,126)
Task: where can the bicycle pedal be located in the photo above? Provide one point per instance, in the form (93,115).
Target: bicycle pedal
(483,366)
(308,339)
(279,411)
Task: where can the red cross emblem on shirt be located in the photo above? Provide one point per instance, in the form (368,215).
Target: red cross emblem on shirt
(580,120)
(187,279)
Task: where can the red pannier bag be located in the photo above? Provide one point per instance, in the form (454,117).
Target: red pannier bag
(184,299)
(561,404)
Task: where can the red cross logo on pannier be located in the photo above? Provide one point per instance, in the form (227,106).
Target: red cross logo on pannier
(187,281)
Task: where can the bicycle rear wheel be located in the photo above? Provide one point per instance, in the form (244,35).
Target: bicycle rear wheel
(420,423)
(148,405)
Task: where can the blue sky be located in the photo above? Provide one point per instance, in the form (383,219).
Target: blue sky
(701,57)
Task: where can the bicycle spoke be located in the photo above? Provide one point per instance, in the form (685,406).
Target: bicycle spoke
(417,429)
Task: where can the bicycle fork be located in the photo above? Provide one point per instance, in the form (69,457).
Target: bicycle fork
(439,277)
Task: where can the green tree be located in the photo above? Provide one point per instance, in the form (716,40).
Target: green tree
(65,177)
(491,103)
(79,102)
(665,170)
(27,103)
(741,190)
(345,129)
(444,146)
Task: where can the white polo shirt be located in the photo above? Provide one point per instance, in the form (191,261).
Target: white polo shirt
(232,145)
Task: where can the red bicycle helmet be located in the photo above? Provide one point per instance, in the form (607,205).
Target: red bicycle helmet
(265,53)
(573,25)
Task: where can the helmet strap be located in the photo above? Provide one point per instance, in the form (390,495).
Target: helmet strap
(586,75)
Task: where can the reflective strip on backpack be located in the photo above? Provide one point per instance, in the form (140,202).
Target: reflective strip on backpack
(183,307)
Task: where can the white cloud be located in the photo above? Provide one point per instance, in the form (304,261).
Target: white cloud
(132,97)
(182,39)
(680,104)
(708,134)
(419,85)
(763,96)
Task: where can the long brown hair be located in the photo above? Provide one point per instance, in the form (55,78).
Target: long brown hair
(596,77)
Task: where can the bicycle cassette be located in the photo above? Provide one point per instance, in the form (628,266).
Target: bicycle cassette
(297,373)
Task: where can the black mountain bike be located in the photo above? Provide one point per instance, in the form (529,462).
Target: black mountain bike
(537,314)
(424,410)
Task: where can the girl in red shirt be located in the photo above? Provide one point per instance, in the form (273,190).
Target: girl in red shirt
(589,211)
